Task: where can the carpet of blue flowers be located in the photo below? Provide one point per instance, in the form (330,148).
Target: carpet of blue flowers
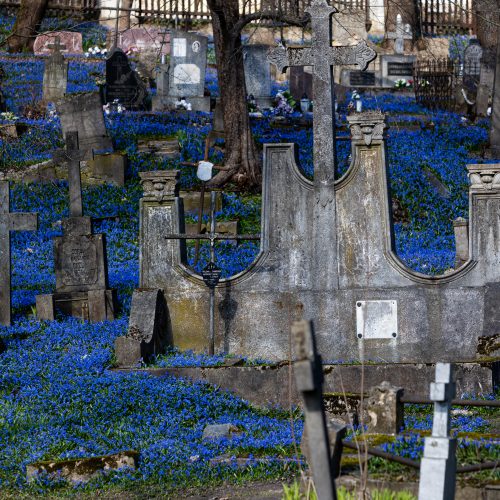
(57,397)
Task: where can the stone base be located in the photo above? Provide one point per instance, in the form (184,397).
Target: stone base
(107,168)
(94,305)
(166,103)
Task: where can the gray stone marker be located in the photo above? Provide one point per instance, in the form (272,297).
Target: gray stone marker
(383,410)
(185,74)
(147,329)
(399,36)
(55,75)
(79,257)
(257,73)
(309,381)
(17,221)
(494,148)
(438,466)
(72,155)
(83,112)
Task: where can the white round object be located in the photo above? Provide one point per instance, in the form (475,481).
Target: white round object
(204,172)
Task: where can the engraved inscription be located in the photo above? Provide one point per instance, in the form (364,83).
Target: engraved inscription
(80,263)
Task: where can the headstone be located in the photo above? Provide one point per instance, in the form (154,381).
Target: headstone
(383,409)
(123,83)
(71,40)
(144,39)
(107,168)
(15,221)
(438,466)
(80,256)
(396,67)
(257,73)
(186,71)
(309,382)
(219,431)
(83,112)
(147,333)
(362,79)
(55,75)
(301,82)
(402,33)
(494,147)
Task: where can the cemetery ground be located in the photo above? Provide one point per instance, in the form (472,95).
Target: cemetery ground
(58,398)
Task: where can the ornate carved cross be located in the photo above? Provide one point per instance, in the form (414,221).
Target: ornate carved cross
(322,57)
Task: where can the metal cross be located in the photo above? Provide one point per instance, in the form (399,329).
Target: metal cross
(322,56)
(72,155)
(17,221)
(400,35)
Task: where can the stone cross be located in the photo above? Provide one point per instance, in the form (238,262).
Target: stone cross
(322,56)
(73,155)
(16,221)
(57,46)
(309,381)
(438,466)
(399,36)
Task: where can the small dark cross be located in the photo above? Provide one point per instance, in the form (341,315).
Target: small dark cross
(322,56)
(57,46)
(17,221)
(73,155)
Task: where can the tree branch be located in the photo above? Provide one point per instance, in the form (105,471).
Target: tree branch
(257,16)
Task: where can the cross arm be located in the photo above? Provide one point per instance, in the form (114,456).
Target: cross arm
(20,221)
(360,55)
(284,57)
(64,155)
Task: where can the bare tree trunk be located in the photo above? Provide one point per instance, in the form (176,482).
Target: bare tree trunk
(29,17)
(241,153)
(124,21)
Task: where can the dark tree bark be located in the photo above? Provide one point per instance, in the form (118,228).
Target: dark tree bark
(124,19)
(29,17)
(241,156)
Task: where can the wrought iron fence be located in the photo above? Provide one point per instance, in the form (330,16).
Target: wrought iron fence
(434,82)
(60,8)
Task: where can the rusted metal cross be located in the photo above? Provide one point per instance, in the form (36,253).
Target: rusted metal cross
(322,57)
(9,222)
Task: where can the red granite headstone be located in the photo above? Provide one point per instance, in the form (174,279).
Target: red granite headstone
(72,41)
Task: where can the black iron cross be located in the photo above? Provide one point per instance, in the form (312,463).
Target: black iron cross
(17,221)
(322,57)
(72,155)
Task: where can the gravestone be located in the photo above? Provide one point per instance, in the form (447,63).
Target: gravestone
(395,67)
(438,466)
(362,79)
(257,73)
(471,71)
(71,40)
(55,75)
(186,71)
(147,329)
(80,256)
(402,33)
(144,39)
(494,147)
(300,78)
(123,83)
(83,112)
(16,221)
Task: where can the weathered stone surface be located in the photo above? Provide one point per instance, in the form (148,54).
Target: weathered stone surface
(8,131)
(219,431)
(191,202)
(494,148)
(55,75)
(257,71)
(395,67)
(71,40)
(83,112)
(45,307)
(144,38)
(461,230)
(383,410)
(81,470)
(164,148)
(108,168)
(300,79)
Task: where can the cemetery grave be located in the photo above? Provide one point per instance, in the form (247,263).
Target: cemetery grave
(61,394)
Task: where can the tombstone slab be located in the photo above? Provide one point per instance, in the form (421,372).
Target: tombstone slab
(71,40)
(396,67)
(258,73)
(107,168)
(83,112)
(145,39)
(55,75)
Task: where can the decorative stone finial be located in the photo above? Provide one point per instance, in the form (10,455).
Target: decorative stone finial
(159,185)
(484,177)
(367,126)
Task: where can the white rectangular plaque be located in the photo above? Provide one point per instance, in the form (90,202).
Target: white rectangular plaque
(179,48)
(376,319)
